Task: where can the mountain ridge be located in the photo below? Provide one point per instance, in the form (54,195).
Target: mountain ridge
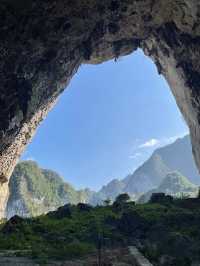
(174,184)
(34,190)
(176,156)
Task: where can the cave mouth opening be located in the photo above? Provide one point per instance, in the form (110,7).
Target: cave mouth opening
(107,122)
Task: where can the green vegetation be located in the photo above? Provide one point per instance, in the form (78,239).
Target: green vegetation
(173,184)
(34,191)
(74,231)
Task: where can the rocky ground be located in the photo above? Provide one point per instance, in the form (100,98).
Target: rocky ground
(114,257)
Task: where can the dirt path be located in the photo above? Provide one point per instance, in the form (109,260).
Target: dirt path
(110,257)
(139,259)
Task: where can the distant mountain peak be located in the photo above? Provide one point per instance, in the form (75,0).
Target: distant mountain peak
(170,169)
(174,181)
(34,191)
(174,184)
(176,156)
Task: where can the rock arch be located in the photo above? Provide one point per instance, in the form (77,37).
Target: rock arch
(43,42)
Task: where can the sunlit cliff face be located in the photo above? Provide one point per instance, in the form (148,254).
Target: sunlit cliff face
(44,42)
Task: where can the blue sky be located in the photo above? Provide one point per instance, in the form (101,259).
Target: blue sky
(107,122)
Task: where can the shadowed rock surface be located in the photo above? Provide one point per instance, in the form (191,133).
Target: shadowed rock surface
(44,42)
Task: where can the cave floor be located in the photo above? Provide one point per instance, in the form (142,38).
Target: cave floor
(110,257)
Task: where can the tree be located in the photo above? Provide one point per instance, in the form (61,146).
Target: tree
(198,196)
(97,236)
(107,202)
(120,202)
(122,198)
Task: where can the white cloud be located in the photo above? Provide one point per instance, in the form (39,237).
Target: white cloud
(142,150)
(155,143)
(149,143)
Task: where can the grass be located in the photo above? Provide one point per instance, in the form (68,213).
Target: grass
(76,231)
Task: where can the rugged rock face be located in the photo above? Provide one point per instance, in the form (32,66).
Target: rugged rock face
(44,42)
(174,184)
(4,192)
(34,191)
(175,157)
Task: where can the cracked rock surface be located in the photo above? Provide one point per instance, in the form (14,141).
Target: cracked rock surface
(43,43)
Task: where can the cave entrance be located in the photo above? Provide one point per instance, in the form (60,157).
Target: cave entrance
(108,122)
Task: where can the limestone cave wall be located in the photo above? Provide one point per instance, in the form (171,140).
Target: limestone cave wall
(43,43)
